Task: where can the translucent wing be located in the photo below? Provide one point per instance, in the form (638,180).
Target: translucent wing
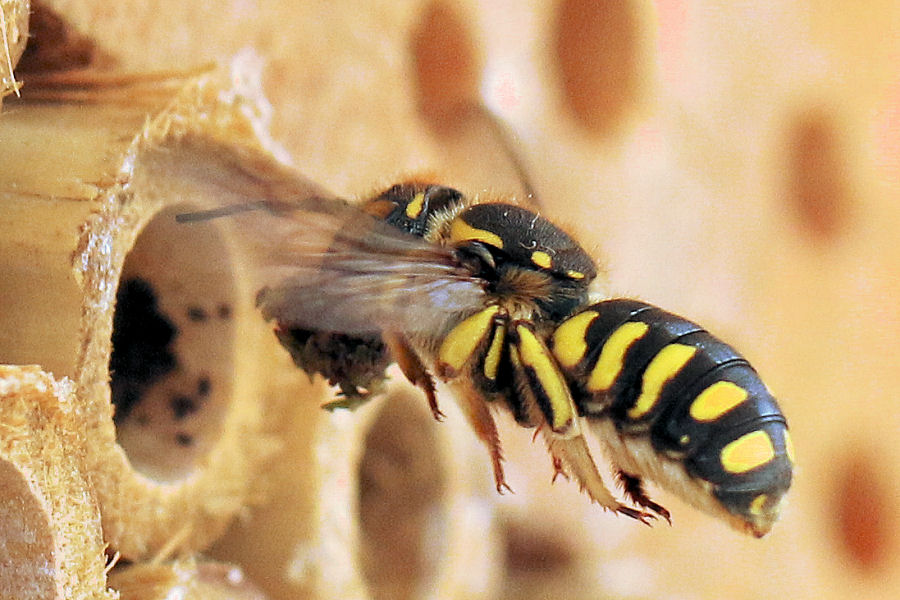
(324,264)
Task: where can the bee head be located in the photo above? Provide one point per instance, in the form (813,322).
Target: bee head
(512,244)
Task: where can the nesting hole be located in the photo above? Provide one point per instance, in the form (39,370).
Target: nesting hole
(401,487)
(864,509)
(819,184)
(479,150)
(532,550)
(447,67)
(54,45)
(597,47)
(541,561)
(26,537)
(172,345)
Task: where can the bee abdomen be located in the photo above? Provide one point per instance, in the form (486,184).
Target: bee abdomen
(728,430)
(628,359)
(653,373)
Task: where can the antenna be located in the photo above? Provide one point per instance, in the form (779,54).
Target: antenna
(508,142)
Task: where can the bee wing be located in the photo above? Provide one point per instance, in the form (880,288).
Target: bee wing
(324,264)
(342,270)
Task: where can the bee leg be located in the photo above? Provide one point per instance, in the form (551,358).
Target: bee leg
(548,402)
(346,403)
(571,456)
(474,406)
(634,489)
(412,367)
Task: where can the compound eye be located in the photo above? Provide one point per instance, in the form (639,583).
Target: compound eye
(439,197)
(479,258)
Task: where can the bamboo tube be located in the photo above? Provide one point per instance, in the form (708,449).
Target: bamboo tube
(186,579)
(157,493)
(52,545)
(13,36)
(81,215)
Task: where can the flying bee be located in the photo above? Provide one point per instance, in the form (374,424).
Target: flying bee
(494,300)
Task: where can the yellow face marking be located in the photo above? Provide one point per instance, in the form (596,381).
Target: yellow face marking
(460,231)
(569,345)
(461,342)
(684,440)
(756,506)
(574,274)
(664,366)
(534,354)
(541,259)
(612,356)
(492,360)
(716,400)
(414,208)
(749,451)
(789,446)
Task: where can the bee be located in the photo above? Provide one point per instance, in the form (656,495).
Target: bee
(495,301)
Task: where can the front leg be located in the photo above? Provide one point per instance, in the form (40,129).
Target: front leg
(475,407)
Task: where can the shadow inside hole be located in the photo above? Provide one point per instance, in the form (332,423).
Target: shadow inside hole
(54,45)
(401,488)
(172,346)
(819,182)
(599,62)
(863,506)
(447,68)
(479,150)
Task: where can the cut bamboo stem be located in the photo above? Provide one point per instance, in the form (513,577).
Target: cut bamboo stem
(52,545)
(13,36)
(86,212)
(186,579)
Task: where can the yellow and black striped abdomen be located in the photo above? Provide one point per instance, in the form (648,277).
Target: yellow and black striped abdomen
(662,377)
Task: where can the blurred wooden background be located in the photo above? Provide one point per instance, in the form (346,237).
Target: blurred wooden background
(737,163)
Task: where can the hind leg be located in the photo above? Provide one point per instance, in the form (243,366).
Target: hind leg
(634,490)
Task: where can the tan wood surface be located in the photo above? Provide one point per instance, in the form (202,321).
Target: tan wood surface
(738,164)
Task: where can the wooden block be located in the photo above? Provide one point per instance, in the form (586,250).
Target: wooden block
(381,502)
(740,169)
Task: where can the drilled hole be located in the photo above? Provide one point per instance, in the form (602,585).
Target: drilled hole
(863,511)
(54,45)
(173,335)
(534,549)
(447,67)
(400,500)
(819,184)
(597,54)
